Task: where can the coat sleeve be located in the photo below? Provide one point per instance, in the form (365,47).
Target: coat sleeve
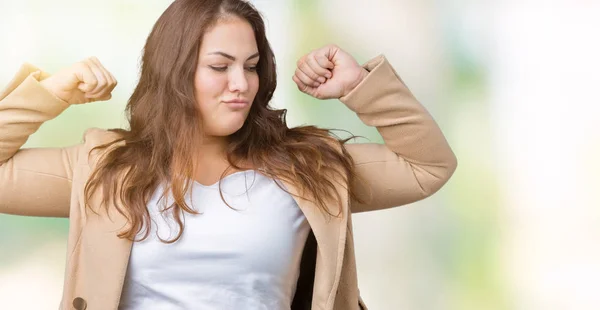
(37,181)
(415,160)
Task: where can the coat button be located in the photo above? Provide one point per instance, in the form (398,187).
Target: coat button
(79,303)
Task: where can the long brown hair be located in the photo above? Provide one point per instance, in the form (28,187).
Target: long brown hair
(163,120)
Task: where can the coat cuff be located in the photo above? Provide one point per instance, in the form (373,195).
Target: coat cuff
(26,84)
(371,88)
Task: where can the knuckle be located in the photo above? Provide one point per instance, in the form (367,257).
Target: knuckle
(80,65)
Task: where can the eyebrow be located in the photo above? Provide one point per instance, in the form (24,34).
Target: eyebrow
(231,57)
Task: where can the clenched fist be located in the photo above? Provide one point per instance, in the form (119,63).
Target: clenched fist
(328,72)
(83,82)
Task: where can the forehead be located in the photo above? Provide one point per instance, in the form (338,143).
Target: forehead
(233,36)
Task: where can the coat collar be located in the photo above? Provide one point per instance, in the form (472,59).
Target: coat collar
(329,231)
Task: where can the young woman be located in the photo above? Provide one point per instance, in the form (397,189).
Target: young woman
(208,200)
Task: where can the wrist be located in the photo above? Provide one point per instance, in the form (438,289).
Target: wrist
(362,75)
(51,88)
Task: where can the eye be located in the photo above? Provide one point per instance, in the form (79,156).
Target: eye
(251,68)
(219,68)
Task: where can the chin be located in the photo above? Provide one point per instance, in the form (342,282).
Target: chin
(229,130)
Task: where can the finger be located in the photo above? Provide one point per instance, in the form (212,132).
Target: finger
(88,80)
(306,79)
(96,96)
(318,68)
(112,83)
(324,62)
(102,79)
(326,55)
(105,97)
(301,86)
(308,71)
(111,80)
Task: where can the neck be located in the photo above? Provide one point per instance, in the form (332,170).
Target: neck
(212,150)
(211,161)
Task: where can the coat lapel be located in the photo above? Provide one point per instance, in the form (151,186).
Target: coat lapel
(104,258)
(330,233)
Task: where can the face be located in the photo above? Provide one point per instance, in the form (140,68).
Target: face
(226,80)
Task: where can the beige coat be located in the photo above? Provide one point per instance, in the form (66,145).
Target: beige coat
(413,164)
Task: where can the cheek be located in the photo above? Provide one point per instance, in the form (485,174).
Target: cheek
(254,83)
(207,84)
(208,88)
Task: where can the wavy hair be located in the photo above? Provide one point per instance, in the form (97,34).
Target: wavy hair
(156,150)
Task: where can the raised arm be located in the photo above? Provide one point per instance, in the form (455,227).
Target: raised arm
(415,160)
(37,182)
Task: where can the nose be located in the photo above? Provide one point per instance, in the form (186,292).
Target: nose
(238,82)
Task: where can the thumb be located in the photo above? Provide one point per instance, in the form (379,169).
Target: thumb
(324,61)
(87,79)
(83,87)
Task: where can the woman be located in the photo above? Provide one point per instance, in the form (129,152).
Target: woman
(208,200)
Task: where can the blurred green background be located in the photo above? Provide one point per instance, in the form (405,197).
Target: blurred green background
(512,84)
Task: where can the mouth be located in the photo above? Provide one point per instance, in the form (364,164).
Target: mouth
(237,103)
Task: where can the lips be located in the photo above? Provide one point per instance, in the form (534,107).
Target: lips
(237,103)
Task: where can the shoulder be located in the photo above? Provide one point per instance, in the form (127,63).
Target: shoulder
(96,141)
(98,136)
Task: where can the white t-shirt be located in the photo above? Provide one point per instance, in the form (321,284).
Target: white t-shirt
(225,259)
